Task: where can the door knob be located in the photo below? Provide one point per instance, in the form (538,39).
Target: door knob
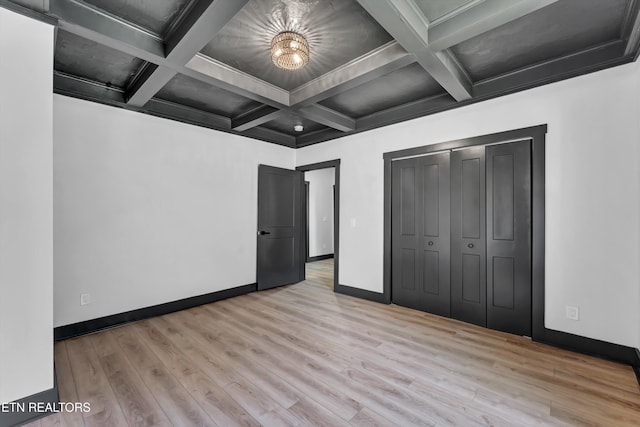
(262,232)
(430,243)
(470,245)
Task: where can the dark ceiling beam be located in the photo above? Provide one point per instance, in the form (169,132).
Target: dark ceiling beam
(317,136)
(90,23)
(316,113)
(76,87)
(34,9)
(170,110)
(255,117)
(631,29)
(271,135)
(327,117)
(446,70)
(377,63)
(408,25)
(197,28)
(149,79)
(587,61)
(479,18)
(38,5)
(205,19)
(65,84)
(216,73)
(407,111)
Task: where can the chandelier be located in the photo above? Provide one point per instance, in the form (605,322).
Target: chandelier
(289,51)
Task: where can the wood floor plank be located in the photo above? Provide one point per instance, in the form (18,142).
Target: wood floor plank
(275,358)
(269,358)
(199,372)
(302,355)
(138,404)
(66,390)
(317,367)
(93,385)
(368,418)
(312,413)
(176,402)
(262,379)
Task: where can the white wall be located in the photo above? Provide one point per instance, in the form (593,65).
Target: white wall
(320,210)
(149,210)
(26,236)
(592,193)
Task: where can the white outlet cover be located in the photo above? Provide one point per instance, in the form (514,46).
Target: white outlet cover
(573,313)
(353,222)
(85,299)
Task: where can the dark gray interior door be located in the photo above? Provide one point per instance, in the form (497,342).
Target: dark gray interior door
(509,237)
(468,236)
(280,219)
(420,230)
(461,235)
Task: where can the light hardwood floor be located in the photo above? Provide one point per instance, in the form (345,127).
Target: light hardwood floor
(302,355)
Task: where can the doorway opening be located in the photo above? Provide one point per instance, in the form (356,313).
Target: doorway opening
(322,208)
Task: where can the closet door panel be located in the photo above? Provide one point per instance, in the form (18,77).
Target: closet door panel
(406,249)
(435,240)
(420,233)
(509,237)
(468,236)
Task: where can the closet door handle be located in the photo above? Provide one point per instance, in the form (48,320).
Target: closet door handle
(470,245)
(262,233)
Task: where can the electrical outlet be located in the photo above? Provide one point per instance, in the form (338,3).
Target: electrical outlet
(353,223)
(573,313)
(85,299)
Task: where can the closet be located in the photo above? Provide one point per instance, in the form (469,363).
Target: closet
(461,234)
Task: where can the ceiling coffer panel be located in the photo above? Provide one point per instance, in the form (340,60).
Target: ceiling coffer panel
(84,58)
(196,94)
(561,28)
(153,15)
(400,87)
(337,32)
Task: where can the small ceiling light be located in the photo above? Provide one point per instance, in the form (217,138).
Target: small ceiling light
(298,128)
(289,51)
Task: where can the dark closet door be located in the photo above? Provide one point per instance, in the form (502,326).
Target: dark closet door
(420,233)
(280,213)
(468,236)
(509,237)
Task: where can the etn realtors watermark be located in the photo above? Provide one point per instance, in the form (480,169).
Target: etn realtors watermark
(44,407)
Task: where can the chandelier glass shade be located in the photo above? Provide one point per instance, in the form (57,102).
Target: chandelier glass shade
(289,51)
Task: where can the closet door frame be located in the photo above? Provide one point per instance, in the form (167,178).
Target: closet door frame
(535,134)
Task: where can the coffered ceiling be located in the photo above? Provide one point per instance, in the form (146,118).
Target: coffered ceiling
(372,62)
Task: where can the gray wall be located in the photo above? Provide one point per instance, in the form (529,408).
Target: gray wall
(149,210)
(592,193)
(26,202)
